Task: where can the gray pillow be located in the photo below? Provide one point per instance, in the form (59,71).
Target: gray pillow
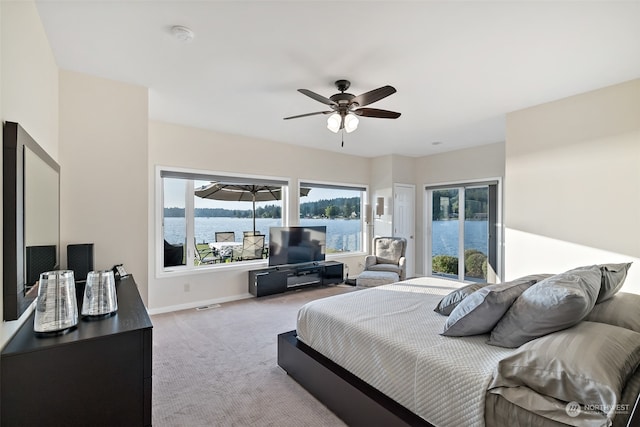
(452,299)
(480,311)
(588,364)
(623,309)
(550,305)
(613,276)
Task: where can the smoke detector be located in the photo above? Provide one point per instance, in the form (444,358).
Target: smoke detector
(181,33)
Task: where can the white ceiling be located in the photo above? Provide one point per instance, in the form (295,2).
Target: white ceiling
(458,66)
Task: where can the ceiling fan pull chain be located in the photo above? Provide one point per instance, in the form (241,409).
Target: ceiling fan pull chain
(342,134)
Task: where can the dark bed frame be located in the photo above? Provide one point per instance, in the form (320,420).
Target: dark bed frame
(354,401)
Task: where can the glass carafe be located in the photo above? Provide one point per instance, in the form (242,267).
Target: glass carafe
(56,308)
(99,294)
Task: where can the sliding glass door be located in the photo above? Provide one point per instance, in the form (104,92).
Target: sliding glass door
(445,232)
(462,231)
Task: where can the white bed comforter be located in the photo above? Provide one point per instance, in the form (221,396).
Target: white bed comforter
(389,337)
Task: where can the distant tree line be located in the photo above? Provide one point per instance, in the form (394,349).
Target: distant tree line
(341,207)
(271,211)
(446,204)
(335,208)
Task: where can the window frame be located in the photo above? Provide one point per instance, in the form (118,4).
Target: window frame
(499,248)
(162,172)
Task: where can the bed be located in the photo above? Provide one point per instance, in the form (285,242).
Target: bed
(377,357)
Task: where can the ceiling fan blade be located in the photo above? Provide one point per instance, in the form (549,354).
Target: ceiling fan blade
(374,112)
(308,114)
(374,95)
(317,97)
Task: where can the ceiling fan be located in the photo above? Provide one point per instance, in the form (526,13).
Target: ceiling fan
(346,107)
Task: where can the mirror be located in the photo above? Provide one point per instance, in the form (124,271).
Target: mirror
(31,217)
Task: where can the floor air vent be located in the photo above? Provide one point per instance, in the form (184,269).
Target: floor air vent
(208,307)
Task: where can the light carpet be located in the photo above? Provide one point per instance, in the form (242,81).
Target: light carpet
(218,367)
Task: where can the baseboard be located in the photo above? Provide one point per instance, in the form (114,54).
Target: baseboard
(196,304)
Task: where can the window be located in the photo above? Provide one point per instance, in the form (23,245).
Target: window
(209,219)
(339,208)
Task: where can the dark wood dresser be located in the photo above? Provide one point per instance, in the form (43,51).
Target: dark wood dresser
(99,374)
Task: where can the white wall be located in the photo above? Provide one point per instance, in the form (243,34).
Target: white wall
(104,189)
(572,187)
(382,186)
(178,146)
(465,165)
(28,90)
(29,75)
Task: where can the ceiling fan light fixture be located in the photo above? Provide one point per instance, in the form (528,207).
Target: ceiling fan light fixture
(351,123)
(333,122)
(345,107)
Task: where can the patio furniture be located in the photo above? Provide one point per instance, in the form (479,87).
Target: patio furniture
(243,192)
(225,236)
(252,248)
(205,256)
(173,254)
(265,250)
(225,249)
(388,255)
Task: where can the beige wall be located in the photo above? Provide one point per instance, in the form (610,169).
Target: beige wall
(381,186)
(28,89)
(466,165)
(29,74)
(197,149)
(103,153)
(386,171)
(572,187)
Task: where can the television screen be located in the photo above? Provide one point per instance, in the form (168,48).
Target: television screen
(293,245)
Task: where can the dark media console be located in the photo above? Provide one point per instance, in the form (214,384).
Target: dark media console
(283,278)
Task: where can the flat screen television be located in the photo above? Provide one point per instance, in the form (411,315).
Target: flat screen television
(294,245)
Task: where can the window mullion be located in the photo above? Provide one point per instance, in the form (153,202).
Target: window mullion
(461,218)
(189,214)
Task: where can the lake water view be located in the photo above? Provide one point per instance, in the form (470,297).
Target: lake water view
(445,237)
(342,234)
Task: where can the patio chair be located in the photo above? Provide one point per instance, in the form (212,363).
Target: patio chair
(388,255)
(252,248)
(225,236)
(265,250)
(205,255)
(173,255)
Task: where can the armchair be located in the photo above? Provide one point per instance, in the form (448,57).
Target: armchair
(388,255)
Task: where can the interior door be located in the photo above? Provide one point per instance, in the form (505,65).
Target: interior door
(404,221)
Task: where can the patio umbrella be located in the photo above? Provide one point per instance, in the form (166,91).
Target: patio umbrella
(243,193)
